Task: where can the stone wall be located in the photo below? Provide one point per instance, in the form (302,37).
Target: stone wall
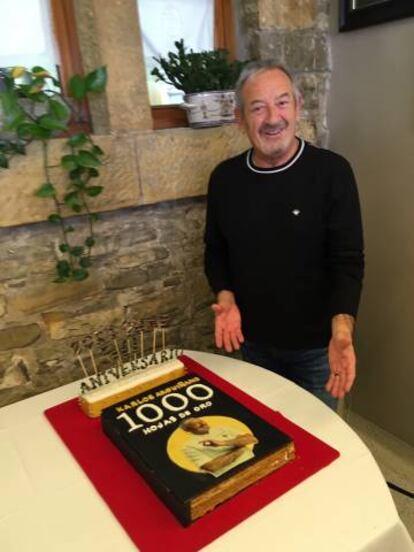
(149,258)
(295,33)
(149,252)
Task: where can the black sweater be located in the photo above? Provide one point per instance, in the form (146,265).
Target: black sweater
(288,242)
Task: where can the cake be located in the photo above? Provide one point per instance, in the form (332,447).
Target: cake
(120,382)
(194,444)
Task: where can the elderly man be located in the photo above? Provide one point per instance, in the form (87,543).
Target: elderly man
(284,246)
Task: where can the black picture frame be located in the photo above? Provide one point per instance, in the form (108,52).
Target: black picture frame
(353,17)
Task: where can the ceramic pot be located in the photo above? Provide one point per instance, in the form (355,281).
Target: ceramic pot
(207,109)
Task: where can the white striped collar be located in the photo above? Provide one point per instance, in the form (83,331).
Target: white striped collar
(276,169)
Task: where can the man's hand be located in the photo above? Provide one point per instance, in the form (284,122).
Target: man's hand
(228,322)
(342,360)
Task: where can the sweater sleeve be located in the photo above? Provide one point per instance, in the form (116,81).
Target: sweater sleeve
(345,243)
(216,256)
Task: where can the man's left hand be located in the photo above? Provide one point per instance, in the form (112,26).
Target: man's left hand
(342,360)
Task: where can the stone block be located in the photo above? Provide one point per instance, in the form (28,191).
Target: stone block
(307,51)
(127,278)
(37,297)
(16,337)
(62,325)
(177,163)
(2,305)
(285,14)
(118,175)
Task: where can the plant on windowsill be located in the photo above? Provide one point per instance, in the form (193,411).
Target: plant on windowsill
(207,79)
(33,108)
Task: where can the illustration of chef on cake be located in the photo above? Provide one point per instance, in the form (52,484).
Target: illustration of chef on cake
(216,444)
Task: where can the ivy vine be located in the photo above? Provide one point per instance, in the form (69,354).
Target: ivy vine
(34,108)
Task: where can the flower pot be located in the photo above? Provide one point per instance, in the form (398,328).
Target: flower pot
(208,109)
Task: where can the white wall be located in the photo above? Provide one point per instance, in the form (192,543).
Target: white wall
(371,122)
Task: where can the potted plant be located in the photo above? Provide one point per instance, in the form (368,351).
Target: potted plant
(207,79)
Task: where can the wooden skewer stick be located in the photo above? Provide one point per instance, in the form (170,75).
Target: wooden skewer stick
(82,366)
(93,361)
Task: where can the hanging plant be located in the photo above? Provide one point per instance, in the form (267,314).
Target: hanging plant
(34,108)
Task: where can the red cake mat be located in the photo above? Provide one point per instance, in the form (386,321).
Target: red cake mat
(141,513)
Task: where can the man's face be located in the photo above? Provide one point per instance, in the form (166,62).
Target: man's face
(197,426)
(269,117)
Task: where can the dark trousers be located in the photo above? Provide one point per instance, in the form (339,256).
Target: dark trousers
(308,368)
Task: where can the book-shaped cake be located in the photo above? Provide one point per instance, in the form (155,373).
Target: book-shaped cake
(195,445)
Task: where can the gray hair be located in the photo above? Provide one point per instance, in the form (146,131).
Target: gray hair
(255,67)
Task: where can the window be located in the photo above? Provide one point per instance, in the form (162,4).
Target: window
(42,32)
(204,24)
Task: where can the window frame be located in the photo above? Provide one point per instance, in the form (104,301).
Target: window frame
(173,116)
(66,37)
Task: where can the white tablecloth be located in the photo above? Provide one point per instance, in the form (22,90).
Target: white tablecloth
(47,503)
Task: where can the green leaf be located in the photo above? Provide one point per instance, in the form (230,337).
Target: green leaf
(96,150)
(80,274)
(86,159)
(40,72)
(69,229)
(77,87)
(63,269)
(96,80)
(59,110)
(90,241)
(19,147)
(64,247)
(46,121)
(4,163)
(12,113)
(46,190)
(26,131)
(78,139)
(76,251)
(85,262)
(72,200)
(54,218)
(69,162)
(93,191)
(93,173)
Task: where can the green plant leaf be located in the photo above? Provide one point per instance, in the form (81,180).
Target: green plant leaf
(26,131)
(63,269)
(54,218)
(77,87)
(64,247)
(59,110)
(69,229)
(93,217)
(12,113)
(96,80)
(72,200)
(69,162)
(46,190)
(4,162)
(93,191)
(77,139)
(40,72)
(76,251)
(96,150)
(80,274)
(93,173)
(87,159)
(46,121)
(85,262)
(19,147)
(90,241)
